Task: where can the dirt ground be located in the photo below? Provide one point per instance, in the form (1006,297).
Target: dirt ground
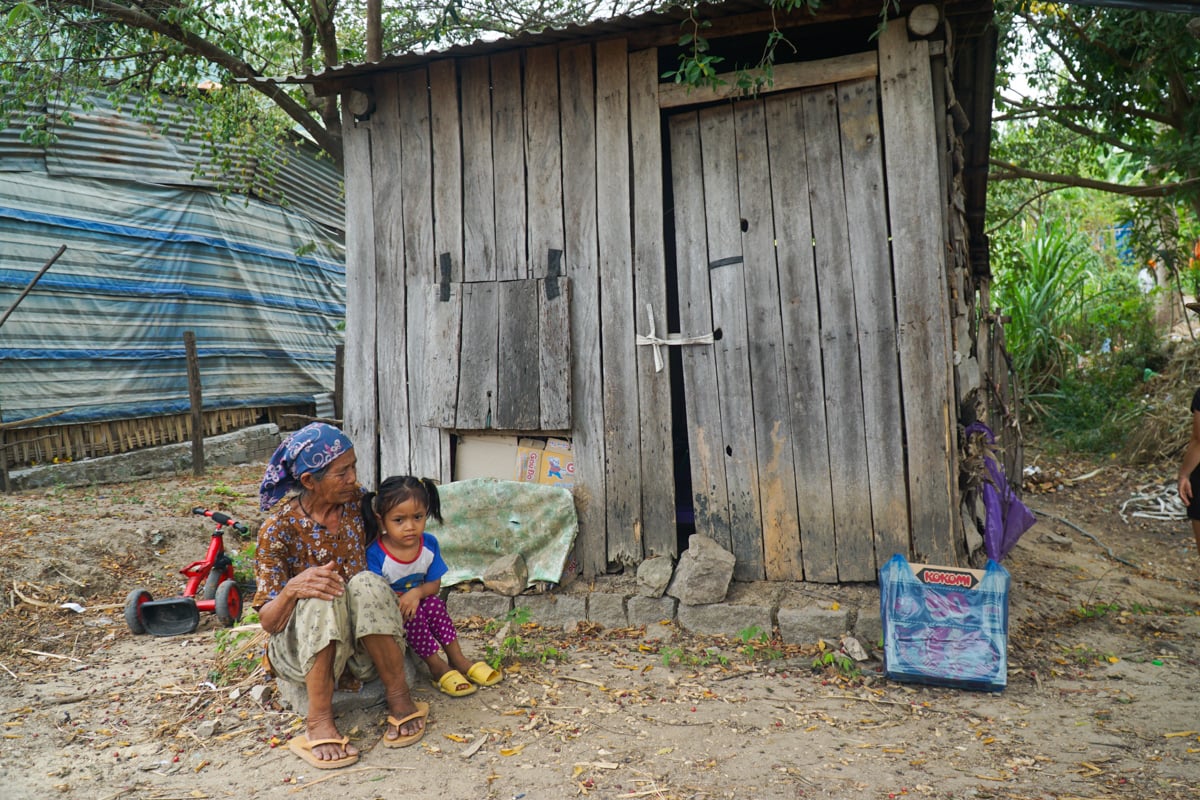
(1101,702)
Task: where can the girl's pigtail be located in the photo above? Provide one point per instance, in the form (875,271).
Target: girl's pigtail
(370,521)
(435,503)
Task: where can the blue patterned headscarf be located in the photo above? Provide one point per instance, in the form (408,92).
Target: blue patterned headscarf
(309,449)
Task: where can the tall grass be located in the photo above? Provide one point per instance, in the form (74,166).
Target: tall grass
(1040,288)
(1081,335)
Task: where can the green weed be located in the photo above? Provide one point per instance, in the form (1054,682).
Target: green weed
(239,652)
(243,563)
(1085,656)
(756,644)
(513,644)
(1096,610)
(836,662)
(701,657)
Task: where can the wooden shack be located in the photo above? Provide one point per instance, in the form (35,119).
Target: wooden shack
(758,318)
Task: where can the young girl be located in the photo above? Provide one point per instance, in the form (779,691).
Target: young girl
(411,561)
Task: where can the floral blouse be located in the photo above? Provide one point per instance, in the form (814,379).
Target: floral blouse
(289,543)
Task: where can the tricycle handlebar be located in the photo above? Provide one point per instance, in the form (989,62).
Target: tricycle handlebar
(221,519)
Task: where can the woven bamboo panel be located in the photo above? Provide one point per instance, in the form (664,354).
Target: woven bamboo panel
(25,447)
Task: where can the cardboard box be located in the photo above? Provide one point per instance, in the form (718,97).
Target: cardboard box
(511,459)
(558,464)
(485,456)
(528,461)
(946,626)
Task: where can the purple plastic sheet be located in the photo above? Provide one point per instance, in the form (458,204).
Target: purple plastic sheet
(1006,517)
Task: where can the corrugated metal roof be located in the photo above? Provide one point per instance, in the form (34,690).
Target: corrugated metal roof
(597,29)
(107,144)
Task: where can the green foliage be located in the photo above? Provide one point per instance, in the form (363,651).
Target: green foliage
(700,657)
(238,652)
(62,53)
(838,663)
(1079,330)
(757,643)
(1112,77)
(243,564)
(698,67)
(1084,656)
(1096,610)
(223,490)
(517,641)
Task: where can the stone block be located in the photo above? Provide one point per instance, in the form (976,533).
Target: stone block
(555,611)
(808,624)
(607,610)
(654,575)
(507,575)
(295,697)
(487,605)
(868,627)
(703,574)
(722,619)
(650,610)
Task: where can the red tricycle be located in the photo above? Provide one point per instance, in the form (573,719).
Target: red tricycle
(212,578)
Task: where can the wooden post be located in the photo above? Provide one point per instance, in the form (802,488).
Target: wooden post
(339,379)
(193,373)
(4,485)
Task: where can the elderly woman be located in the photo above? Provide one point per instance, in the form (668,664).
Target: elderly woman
(329,619)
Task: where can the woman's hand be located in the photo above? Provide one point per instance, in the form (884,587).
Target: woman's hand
(1185,489)
(322,583)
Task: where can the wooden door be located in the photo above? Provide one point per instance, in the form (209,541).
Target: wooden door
(794,413)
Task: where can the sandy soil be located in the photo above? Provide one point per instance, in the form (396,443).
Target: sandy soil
(1101,701)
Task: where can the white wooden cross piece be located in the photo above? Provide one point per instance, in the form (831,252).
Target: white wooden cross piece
(672,340)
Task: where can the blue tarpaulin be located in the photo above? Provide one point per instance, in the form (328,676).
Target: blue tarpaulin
(101,333)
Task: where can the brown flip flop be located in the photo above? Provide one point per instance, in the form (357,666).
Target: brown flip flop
(422,712)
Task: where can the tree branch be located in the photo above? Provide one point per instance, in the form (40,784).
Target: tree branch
(134,17)
(1007,171)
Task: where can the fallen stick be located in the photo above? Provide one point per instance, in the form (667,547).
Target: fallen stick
(53,655)
(30,600)
(597,684)
(1099,543)
(340,773)
(1082,478)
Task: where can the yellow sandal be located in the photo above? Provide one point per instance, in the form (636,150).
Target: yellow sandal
(454,684)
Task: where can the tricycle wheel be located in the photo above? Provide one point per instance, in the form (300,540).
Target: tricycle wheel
(211,584)
(228,605)
(133,610)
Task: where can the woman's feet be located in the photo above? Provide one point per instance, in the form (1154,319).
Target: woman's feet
(335,749)
(406,719)
(414,723)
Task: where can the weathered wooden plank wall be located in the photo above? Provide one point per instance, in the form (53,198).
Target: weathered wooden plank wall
(801,340)
(911,158)
(547,164)
(772,420)
(391,301)
(621,422)
(843,391)
(358,405)
(726,267)
(430,447)
(508,158)
(658,534)
(582,262)
(478,193)
(862,167)
(710,492)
